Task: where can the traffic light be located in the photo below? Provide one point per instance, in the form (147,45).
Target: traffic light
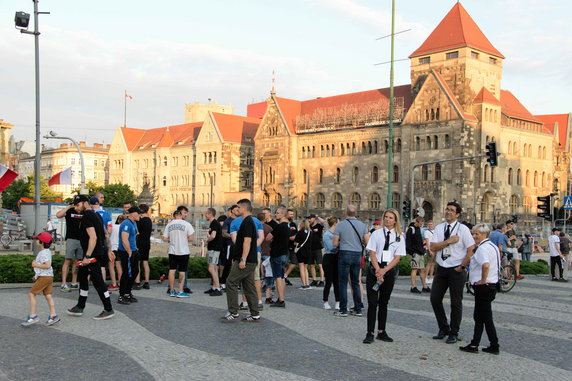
(544,206)
(492,155)
(407,209)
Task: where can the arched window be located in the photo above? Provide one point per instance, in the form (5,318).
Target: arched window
(322,151)
(363,150)
(327,151)
(535,182)
(426,114)
(164,181)
(435,142)
(338,176)
(525,150)
(266,199)
(333,150)
(513,204)
(418,143)
(424,173)
(303,152)
(164,161)
(355,199)
(514,147)
(386,146)
(375,148)
(355,175)
(526,205)
(303,200)
(544,152)
(399,145)
(437,171)
(342,149)
(518,177)
(527,178)
(543,179)
(337,201)
(428,142)
(493,169)
(447,141)
(304,176)
(396,202)
(354,150)
(369,148)
(374,201)
(395,174)
(530,150)
(432,114)
(320,201)
(277,199)
(486,173)
(539,152)
(509,176)
(509,147)
(320,175)
(374,174)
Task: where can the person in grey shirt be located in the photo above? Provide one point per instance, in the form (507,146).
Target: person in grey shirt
(350,237)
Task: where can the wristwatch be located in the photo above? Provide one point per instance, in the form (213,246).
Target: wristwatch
(88,256)
(243,259)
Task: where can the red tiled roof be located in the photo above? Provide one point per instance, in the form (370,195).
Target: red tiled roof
(256,110)
(181,134)
(485,96)
(456,30)
(451,96)
(550,123)
(290,110)
(236,128)
(512,107)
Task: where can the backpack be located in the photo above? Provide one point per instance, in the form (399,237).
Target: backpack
(565,245)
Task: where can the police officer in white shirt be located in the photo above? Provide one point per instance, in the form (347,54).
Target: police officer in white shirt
(385,247)
(483,276)
(452,244)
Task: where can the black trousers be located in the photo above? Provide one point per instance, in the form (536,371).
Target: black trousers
(227,265)
(483,315)
(126,283)
(92,270)
(556,261)
(378,300)
(330,266)
(452,280)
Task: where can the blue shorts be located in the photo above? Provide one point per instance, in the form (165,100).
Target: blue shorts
(278,264)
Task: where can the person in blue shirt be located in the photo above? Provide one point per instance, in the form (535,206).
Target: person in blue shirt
(129,256)
(234,226)
(499,238)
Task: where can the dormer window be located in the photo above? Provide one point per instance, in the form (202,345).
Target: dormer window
(492,61)
(452,55)
(424,60)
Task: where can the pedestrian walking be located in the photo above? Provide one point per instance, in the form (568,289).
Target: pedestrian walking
(303,250)
(214,247)
(330,264)
(74,252)
(555,255)
(316,257)
(178,233)
(279,252)
(414,246)
(128,255)
(145,229)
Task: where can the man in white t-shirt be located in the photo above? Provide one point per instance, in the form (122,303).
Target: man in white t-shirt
(430,267)
(452,244)
(178,233)
(555,254)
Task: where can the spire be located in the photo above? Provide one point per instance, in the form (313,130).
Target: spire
(456,30)
(273,91)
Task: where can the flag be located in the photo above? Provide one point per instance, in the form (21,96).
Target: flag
(63,177)
(6,177)
(128,96)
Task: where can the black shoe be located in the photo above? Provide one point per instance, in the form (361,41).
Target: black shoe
(105,315)
(216,293)
(313,283)
(146,285)
(441,335)
(187,290)
(415,290)
(383,336)
(563,280)
(425,289)
(492,350)
(288,283)
(321,283)
(279,304)
(243,307)
(168,291)
(451,339)
(469,348)
(210,290)
(131,298)
(368,338)
(137,286)
(555,279)
(269,301)
(123,300)
(75,311)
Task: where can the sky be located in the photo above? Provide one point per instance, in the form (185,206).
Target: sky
(169,53)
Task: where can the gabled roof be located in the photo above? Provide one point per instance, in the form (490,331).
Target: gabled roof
(456,30)
(485,96)
(182,134)
(451,96)
(550,121)
(236,128)
(290,109)
(256,110)
(511,107)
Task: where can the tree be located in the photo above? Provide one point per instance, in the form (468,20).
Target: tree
(46,193)
(117,194)
(13,192)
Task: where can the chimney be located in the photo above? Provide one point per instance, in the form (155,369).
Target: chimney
(82,144)
(63,145)
(97,145)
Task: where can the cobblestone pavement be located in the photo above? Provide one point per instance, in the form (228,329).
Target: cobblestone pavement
(168,338)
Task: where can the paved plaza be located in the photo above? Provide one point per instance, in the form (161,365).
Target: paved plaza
(162,338)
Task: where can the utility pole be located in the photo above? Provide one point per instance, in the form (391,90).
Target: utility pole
(391,105)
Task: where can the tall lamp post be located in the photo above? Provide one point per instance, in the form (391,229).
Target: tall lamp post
(21,21)
(391,106)
(53,135)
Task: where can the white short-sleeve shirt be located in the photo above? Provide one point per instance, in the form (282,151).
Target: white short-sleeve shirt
(455,253)
(486,252)
(44,256)
(178,232)
(377,243)
(553,240)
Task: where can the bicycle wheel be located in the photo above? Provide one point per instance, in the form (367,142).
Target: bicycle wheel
(6,240)
(469,286)
(508,279)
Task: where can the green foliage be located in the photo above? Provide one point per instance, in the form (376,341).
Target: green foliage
(116,194)
(45,192)
(405,265)
(13,192)
(17,268)
(539,267)
(198,267)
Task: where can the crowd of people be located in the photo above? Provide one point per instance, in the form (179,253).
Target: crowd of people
(256,254)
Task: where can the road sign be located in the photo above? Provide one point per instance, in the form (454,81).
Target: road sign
(567,203)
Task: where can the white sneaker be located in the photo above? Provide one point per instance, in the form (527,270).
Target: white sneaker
(429,280)
(327,306)
(337,305)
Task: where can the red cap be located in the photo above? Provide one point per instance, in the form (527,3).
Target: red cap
(44,237)
(376,223)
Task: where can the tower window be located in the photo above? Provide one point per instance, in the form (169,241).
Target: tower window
(424,60)
(475,55)
(492,61)
(452,55)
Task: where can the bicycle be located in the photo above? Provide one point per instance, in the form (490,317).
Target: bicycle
(10,236)
(507,280)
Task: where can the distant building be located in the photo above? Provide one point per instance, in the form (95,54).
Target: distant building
(5,130)
(197,112)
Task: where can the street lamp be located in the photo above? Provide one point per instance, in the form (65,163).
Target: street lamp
(53,135)
(21,21)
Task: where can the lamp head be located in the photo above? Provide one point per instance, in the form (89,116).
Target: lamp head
(52,133)
(22,19)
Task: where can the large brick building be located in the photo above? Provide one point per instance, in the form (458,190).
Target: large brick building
(332,151)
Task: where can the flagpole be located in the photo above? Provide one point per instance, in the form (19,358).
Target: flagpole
(125,109)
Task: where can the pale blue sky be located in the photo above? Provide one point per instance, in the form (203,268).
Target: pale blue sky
(174,52)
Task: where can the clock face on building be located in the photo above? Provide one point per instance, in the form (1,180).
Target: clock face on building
(432,100)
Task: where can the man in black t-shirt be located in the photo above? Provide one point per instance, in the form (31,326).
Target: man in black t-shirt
(214,247)
(145,229)
(317,227)
(224,260)
(73,247)
(244,263)
(279,249)
(292,256)
(92,239)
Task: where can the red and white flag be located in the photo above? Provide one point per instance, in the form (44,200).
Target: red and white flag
(128,96)
(6,177)
(63,177)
